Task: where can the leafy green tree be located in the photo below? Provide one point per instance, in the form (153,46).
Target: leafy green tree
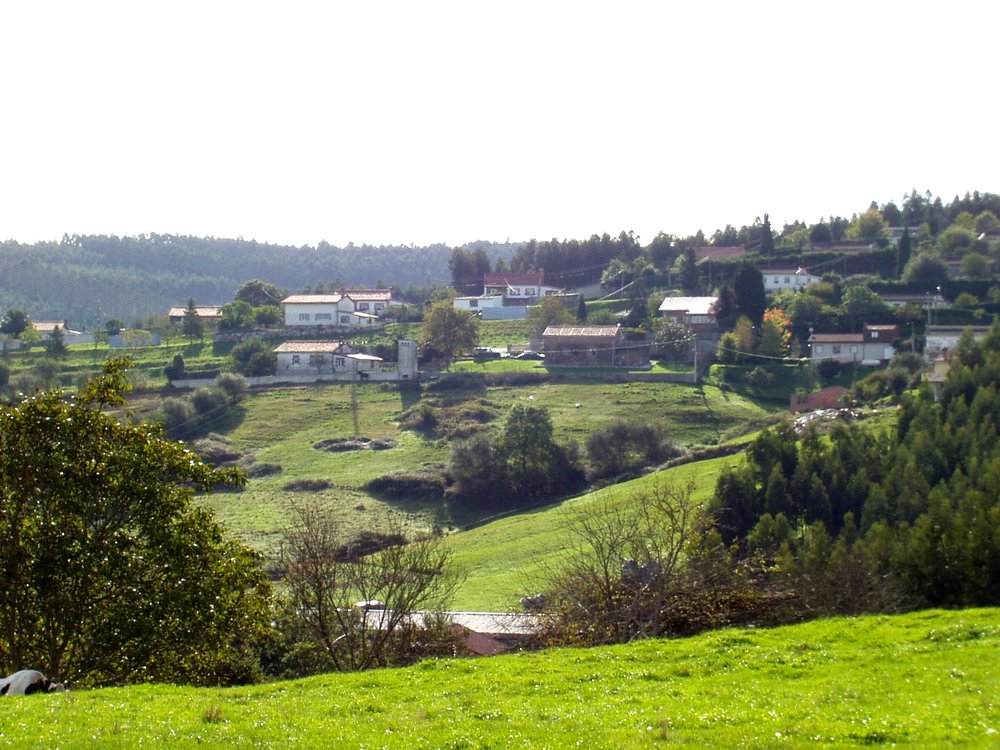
(254,357)
(550,311)
(113,326)
(976,265)
(820,233)
(449,331)
(15,322)
(236,316)
(111,574)
(868,226)
(192,325)
(955,240)
(672,339)
(925,270)
(257,293)
(862,305)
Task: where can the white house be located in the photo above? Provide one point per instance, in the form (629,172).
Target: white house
(691,311)
(777,279)
(524,288)
(478,304)
(324,357)
(348,308)
(871,347)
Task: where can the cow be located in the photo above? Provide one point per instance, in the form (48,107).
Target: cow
(28,681)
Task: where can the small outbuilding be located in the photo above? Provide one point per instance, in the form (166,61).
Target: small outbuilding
(594,346)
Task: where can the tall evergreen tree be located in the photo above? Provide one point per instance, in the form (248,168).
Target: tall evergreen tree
(750,295)
(766,238)
(903,251)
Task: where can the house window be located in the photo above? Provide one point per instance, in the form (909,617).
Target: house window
(339,362)
(530,291)
(473,303)
(836,348)
(874,335)
(818,349)
(854,350)
(304,316)
(345,320)
(515,291)
(787,280)
(324,316)
(363,306)
(295,359)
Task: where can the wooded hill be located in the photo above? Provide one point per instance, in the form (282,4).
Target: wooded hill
(90,279)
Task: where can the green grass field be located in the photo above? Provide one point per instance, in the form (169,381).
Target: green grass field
(281,426)
(923,680)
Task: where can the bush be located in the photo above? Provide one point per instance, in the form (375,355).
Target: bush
(178,417)
(625,446)
(209,402)
(234,385)
(307,485)
(254,357)
(760,378)
(415,486)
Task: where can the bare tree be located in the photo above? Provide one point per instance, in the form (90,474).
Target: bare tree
(643,569)
(362,610)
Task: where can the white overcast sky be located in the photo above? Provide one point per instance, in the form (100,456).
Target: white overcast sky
(420,122)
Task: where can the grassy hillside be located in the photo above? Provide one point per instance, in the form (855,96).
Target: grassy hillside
(927,679)
(504,559)
(280,428)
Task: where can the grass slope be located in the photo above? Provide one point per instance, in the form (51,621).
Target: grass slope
(922,680)
(281,426)
(504,559)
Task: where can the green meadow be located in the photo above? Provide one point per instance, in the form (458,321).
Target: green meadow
(281,427)
(922,680)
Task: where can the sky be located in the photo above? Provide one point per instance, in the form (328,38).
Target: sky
(391,123)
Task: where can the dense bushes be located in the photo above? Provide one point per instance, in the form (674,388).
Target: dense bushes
(413,486)
(624,446)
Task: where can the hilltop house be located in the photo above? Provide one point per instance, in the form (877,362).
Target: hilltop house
(871,347)
(594,346)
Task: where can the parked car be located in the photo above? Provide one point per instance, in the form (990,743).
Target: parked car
(528,354)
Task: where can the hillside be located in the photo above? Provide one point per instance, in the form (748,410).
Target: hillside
(926,679)
(90,279)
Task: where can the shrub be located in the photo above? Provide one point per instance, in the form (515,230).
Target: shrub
(415,486)
(177,416)
(760,378)
(234,385)
(254,357)
(209,402)
(624,446)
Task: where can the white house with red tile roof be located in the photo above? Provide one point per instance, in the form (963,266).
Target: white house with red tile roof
(517,286)
(873,346)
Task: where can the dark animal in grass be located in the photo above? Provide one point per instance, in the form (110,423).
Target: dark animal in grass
(28,681)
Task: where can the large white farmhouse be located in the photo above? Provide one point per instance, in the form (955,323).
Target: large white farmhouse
(348,308)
